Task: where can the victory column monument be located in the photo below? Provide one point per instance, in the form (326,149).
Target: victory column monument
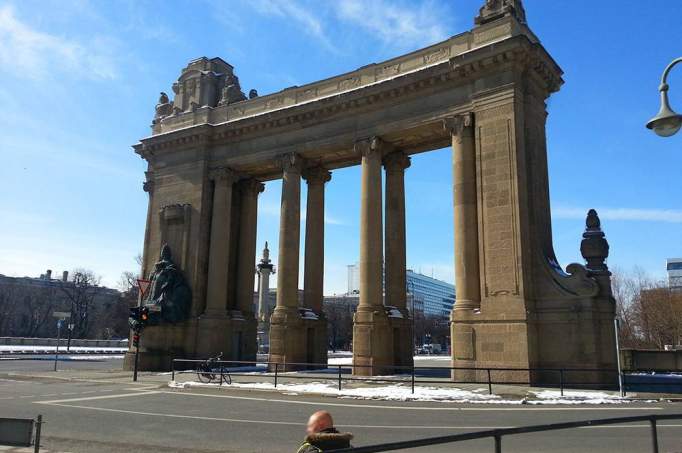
(484,93)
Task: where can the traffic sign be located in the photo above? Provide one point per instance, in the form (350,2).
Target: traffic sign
(61,314)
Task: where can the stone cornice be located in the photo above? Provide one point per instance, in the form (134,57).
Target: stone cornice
(518,50)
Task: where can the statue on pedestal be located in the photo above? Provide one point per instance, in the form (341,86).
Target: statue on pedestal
(168,289)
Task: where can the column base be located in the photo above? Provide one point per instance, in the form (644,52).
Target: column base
(298,340)
(379,343)
(198,338)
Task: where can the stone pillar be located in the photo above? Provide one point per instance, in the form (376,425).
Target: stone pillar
(467,272)
(313,276)
(219,254)
(246,258)
(372,332)
(287,339)
(396,257)
(147,186)
(265,268)
(250,189)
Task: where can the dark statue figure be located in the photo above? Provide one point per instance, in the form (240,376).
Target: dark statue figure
(168,289)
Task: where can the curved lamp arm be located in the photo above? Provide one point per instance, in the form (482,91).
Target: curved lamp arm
(667,122)
(664,80)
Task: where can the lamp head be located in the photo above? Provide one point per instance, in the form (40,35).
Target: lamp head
(667,122)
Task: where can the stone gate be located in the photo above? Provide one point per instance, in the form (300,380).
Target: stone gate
(482,92)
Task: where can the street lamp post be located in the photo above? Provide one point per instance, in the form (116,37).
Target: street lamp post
(666,123)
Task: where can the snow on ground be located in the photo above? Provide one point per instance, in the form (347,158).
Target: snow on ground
(403,393)
(62,347)
(348,359)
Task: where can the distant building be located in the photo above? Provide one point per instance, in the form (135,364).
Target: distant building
(353,279)
(28,303)
(674,268)
(430,296)
(433,297)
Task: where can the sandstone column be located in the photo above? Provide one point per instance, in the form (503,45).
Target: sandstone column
(396,258)
(371,234)
(313,276)
(287,341)
(147,186)
(467,279)
(219,256)
(372,332)
(246,269)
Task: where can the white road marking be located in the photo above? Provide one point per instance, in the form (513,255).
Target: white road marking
(418,408)
(90,398)
(272,422)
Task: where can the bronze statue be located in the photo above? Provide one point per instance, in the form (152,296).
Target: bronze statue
(168,289)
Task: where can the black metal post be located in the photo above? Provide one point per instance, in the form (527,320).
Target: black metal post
(413,379)
(39,425)
(173,370)
(56,352)
(339,378)
(561,381)
(498,444)
(276,367)
(654,435)
(490,383)
(625,387)
(137,359)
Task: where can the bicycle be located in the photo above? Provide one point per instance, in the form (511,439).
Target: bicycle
(207,371)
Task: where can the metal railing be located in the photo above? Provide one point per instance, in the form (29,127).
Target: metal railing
(412,374)
(498,434)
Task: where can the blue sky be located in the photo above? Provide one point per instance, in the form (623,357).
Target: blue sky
(79,80)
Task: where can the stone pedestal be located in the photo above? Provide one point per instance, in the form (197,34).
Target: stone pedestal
(373,337)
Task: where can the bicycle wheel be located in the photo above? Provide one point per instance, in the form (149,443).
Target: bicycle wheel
(227,379)
(205,374)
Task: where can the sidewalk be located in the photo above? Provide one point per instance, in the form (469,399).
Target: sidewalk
(326,384)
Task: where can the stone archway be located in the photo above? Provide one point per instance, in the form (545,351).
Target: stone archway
(483,92)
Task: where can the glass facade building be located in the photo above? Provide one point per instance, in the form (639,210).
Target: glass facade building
(437,296)
(430,296)
(674,268)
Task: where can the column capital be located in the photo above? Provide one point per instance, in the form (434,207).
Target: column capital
(396,162)
(292,163)
(317,175)
(372,145)
(251,186)
(455,125)
(148,184)
(222,174)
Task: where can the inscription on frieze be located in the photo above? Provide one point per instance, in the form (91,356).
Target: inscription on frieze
(438,55)
(349,83)
(388,71)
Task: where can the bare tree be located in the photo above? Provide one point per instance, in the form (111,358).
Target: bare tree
(80,292)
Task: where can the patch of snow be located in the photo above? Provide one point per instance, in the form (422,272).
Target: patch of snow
(576,397)
(62,347)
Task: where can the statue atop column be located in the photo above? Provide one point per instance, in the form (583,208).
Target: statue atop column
(496,9)
(264,269)
(168,289)
(163,108)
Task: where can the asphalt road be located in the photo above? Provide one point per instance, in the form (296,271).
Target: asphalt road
(65,362)
(120,417)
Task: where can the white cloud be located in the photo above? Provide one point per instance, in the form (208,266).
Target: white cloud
(293,10)
(625,214)
(407,25)
(32,53)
